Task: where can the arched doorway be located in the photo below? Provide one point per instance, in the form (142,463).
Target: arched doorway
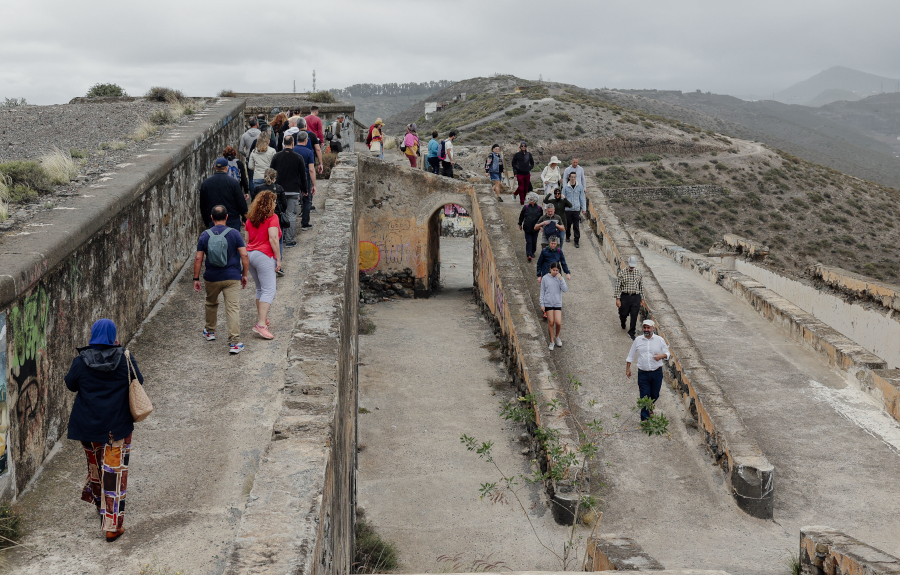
(450,246)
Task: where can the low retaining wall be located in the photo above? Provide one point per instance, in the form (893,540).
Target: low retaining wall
(111,252)
(504,298)
(862,287)
(301,513)
(749,474)
(826,551)
(664,192)
(857,364)
(615,553)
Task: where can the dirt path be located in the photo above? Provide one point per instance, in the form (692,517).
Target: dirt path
(192,461)
(425,379)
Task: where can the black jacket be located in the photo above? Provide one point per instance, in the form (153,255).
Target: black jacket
(280,198)
(522,162)
(292,171)
(529,216)
(561,204)
(222,189)
(100,378)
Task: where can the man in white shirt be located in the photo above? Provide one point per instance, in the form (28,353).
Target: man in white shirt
(651,350)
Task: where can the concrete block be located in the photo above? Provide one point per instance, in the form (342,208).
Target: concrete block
(827,551)
(611,552)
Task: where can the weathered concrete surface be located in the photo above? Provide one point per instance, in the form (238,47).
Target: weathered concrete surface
(835,448)
(743,245)
(825,550)
(300,513)
(888,295)
(112,253)
(749,474)
(611,552)
(425,379)
(193,461)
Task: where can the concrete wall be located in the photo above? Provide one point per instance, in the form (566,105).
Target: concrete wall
(859,286)
(749,474)
(399,223)
(870,329)
(112,253)
(301,511)
(826,551)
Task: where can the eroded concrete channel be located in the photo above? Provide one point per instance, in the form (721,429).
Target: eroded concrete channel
(428,374)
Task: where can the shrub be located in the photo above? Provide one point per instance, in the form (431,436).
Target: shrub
(105,91)
(328,161)
(162,94)
(113,145)
(651,158)
(162,117)
(373,554)
(144,130)
(13,102)
(515,112)
(10,526)
(79,154)
(26,174)
(560,136)
(60,166)
(322,97)
(226,93)
(5,184)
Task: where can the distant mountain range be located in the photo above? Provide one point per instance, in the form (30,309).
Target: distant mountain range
(834,84)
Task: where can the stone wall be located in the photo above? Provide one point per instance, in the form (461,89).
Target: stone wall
(301,512)
(399,223)
(826,551)
(749,474)
(664,192)
(859,287)
(111,253)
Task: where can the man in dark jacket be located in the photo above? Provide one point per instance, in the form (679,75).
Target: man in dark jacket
(292,176)
(528,218)
(560,203)
(523,163)
(220,189)
(552,253)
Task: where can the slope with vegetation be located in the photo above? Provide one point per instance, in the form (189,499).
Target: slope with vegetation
(383,100)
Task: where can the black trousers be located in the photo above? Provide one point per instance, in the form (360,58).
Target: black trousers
(631,305)
(447,169)
(305,204)
(435,164)
(649,384)
(573,222)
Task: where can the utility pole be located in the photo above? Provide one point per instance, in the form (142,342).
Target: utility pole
(314,81)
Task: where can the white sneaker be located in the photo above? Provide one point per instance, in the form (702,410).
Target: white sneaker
(550,347)
(558,342)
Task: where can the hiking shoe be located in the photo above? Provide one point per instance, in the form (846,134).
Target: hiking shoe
(209,335)
(529,259)
(499,198)
(558,342)
(280,273)
(576,245)
(263,332)
(550,347)
(307,227)
(235,348)
(545,315)
(312,208)
(290,244)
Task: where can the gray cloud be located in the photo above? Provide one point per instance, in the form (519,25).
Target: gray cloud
(53,50)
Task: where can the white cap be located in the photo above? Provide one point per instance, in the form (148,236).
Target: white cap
(649,322)
(632,261)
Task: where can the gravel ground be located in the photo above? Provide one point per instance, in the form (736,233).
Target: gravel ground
(28,132)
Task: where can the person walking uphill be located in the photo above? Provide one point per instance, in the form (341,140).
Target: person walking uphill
(222,190)
(650,352)
(552,287)
(291,169)
(493,167)
(574,194)
(522,163)
(411,145)
(629,294)
(227,264)
(528,219)
(263,233)
(434,146)
(101,420)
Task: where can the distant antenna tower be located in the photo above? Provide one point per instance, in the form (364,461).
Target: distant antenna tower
(540,78)
(295,86)
(314,80)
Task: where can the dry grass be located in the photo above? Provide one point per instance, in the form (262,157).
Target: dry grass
(144,130)
(390,143)
(5,185)
(10,526)
(113,145)
(459,564)
(373,554)
(60,166)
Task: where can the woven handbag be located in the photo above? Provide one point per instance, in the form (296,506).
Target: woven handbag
(138,399)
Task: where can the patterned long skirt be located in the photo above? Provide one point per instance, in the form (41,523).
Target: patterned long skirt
(107,480)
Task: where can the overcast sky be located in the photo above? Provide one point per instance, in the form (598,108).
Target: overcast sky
(51,51)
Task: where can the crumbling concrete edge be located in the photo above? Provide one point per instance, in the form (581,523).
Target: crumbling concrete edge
(504,299)
(826,550)
(300,515)
(749,473)
(859,286)
(858,365)
(612,552)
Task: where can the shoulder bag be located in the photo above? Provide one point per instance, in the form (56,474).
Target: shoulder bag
(138,399)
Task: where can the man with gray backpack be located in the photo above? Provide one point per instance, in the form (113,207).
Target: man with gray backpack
(227,265)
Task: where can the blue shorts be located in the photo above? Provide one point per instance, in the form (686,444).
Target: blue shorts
(495,176)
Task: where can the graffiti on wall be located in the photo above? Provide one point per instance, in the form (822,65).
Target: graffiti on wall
(369,256)
(29,366)
(389,243)
(4,408)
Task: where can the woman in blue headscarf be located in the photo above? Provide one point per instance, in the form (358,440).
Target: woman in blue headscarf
(101,420)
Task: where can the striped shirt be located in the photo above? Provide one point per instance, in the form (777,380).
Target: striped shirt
(630,280)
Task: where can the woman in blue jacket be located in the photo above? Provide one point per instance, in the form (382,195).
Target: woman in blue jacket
(101,420)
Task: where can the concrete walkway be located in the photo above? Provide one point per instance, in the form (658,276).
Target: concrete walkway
(424,380)
(836,452)
(665,493)
(192,461)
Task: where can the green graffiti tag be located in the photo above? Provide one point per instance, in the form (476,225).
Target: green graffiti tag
(28,324)
(75,277)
